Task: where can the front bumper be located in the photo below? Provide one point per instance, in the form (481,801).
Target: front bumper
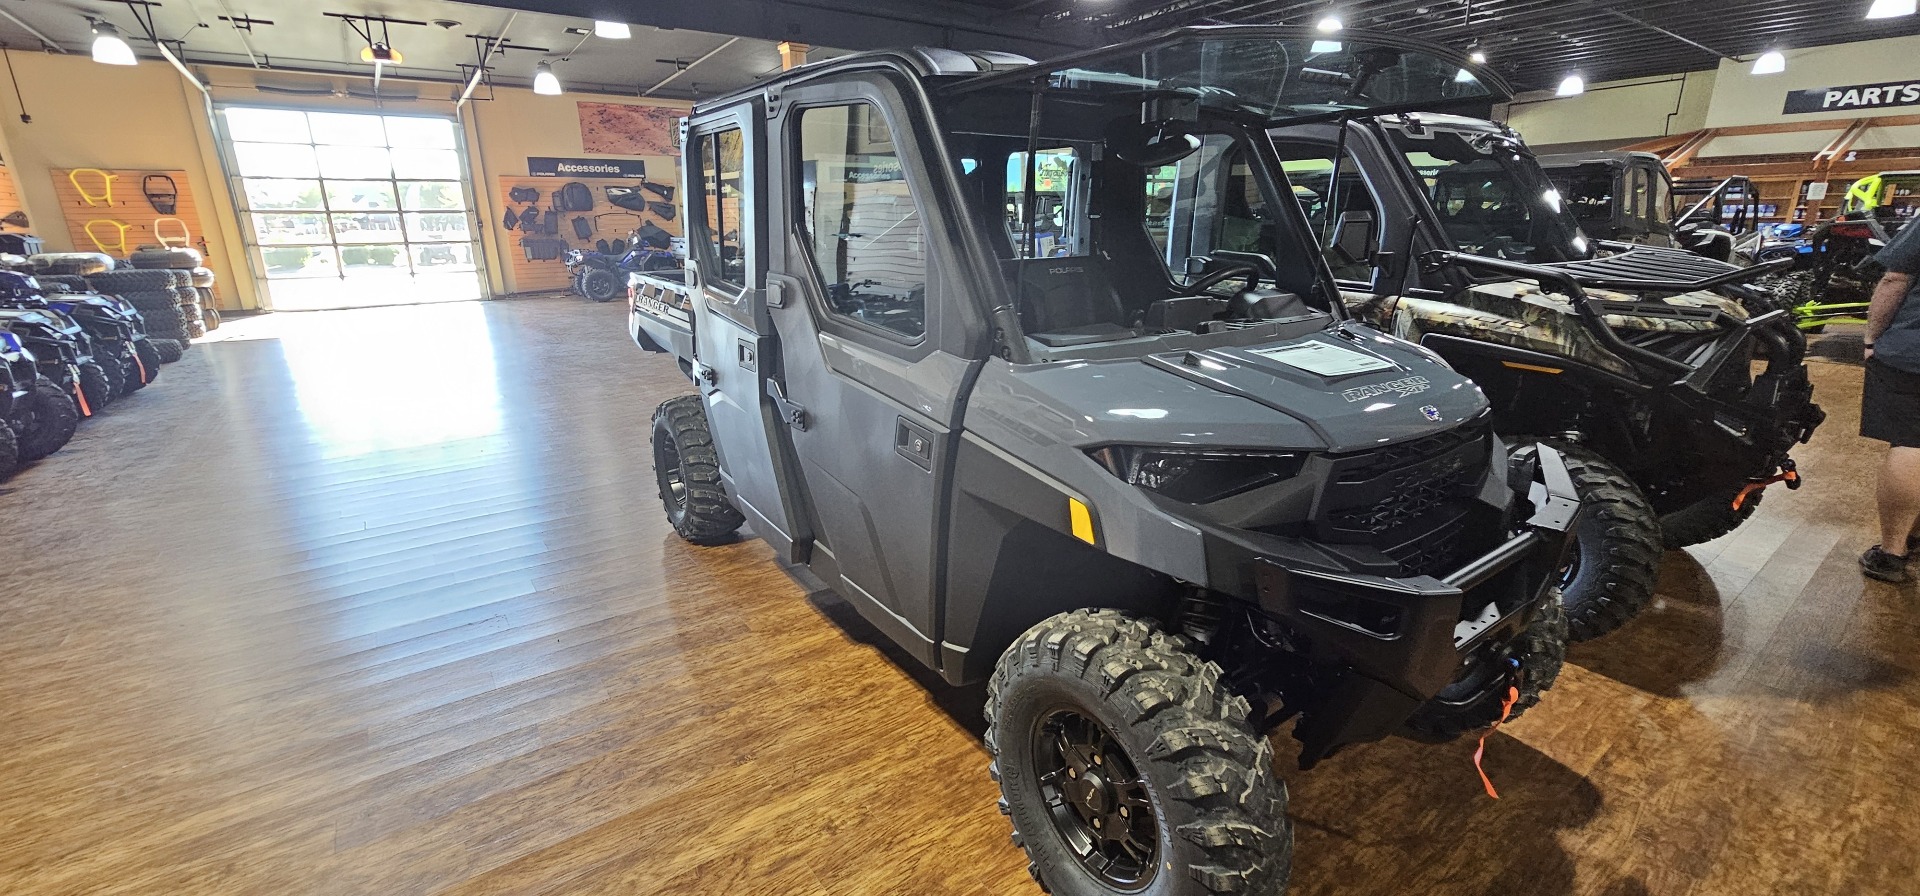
(1398,642)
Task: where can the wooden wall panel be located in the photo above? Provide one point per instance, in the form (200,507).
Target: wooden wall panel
(123,201)
(9,192)
(609,222)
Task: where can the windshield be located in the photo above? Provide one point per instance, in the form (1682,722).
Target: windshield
(1491,197)
(1268,74)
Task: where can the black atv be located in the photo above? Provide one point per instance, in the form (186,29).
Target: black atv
(36,417)
(603,277)
(119,335)
(1635,361)
(64,354)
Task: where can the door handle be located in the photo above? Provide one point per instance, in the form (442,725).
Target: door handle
(793,413)
(914,443)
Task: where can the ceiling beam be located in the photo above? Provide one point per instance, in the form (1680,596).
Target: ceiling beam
(846,24)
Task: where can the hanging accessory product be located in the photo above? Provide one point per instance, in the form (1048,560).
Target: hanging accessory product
(117,247)
(530,220)
(184,236)
(538,249)
(550,222)
(629,220)
(104,198)
(664,210)
(626,197)
(574,197)
(509,219)
(582,227)
(661,190)
(524,194)
(162,193)
(602,247)
(15,219)
(619,247)
(653,236)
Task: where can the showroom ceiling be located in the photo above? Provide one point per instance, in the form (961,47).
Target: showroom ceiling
(1534,42)
(1538,42)
(303,37)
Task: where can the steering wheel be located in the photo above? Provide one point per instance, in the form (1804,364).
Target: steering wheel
(1205,285)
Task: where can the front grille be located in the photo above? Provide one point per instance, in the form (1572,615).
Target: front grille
(1411,494)
(1411,501)
(1372,463)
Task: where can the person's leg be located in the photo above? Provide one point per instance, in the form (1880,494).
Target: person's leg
(1899,498)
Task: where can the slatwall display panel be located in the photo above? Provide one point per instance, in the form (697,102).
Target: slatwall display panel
(85,200)
(9,192)
(606,222)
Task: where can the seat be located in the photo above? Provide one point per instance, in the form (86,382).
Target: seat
(1065,301)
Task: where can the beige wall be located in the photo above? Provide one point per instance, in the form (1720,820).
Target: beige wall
(1741,98)
(103,116)
(1731,96)
(1622,111)
(148,116)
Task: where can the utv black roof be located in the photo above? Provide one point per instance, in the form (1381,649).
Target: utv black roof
(1291,71)
(1574,159)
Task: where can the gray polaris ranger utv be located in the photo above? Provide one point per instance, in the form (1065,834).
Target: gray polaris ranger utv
(1636,362)
(1166,507)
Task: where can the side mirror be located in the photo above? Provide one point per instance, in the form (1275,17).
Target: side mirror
(1353,237)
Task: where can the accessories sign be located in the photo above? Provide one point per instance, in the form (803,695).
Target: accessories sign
(1886,95)
(540,166)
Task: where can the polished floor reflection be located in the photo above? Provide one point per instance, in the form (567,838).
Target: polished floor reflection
(380,602)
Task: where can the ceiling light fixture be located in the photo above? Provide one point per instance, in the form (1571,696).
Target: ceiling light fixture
(1771,62)
(1330,23)
(545,82)
(612,30)
(1477,56)
(1574,85)
(379,53)
(109,48)
(1892,9)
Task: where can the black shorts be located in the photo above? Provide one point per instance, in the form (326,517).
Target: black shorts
(1890,405)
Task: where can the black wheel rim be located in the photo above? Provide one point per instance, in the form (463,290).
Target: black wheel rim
(1097,800)
(673,482)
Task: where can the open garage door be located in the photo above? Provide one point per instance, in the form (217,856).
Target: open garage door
(347,210)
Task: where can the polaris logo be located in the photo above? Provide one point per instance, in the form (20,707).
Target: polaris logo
(1432,413)
(1413,385)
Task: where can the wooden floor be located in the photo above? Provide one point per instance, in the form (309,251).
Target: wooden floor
(381,602)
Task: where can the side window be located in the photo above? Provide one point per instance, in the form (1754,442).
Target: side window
(867,236)
(1059,207)
(1309,169)
(1209,201)
(714,233)
(1640,210)
(1662,199)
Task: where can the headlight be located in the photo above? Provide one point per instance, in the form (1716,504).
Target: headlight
(1196,476)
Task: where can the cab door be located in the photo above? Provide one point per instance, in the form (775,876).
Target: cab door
(724,186)
(874,330)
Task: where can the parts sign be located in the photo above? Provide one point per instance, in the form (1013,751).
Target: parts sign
(1847,99)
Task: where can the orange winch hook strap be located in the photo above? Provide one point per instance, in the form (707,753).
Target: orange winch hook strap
(102,198)
(1791,477)
(1479,752)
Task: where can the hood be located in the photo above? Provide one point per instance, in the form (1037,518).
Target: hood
(1339,390)
(36,317)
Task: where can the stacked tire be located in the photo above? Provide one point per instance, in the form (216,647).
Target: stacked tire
(192,285)
(153,294)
